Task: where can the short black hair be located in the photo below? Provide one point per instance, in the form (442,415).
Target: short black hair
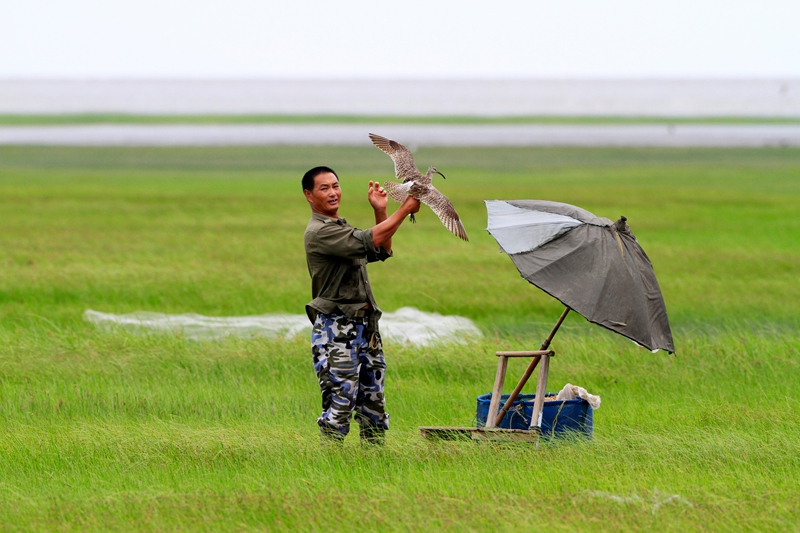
(308,177)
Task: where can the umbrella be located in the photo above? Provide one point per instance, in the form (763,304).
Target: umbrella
(590,264)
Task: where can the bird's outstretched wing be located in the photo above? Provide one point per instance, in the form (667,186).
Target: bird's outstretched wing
(397,191)
(404,167)
(444,209)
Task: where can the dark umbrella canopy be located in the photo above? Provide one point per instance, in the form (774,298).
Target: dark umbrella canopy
(592,265)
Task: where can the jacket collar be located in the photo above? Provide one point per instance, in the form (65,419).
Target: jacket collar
(327,220)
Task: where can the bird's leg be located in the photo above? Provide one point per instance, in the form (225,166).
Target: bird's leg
(413,220)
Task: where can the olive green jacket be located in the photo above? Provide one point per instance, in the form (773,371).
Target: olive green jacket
(337,255)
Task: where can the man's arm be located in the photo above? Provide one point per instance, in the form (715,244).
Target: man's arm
(386,226)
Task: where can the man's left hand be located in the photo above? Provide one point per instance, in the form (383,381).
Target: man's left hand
(377,196)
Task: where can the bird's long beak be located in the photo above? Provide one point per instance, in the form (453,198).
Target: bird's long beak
(442,175)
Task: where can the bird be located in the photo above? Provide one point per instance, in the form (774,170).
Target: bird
(418,185)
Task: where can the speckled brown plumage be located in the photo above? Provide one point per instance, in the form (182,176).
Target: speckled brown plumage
(418,185)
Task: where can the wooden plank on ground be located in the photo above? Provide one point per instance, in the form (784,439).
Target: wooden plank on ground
(479,434)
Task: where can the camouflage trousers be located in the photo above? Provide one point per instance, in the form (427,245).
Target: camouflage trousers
(351,373)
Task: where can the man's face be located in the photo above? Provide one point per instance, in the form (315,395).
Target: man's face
(325,196)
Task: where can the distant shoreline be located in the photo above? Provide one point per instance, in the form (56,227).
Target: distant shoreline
(538,100)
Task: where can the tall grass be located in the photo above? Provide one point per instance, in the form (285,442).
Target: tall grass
(157,432)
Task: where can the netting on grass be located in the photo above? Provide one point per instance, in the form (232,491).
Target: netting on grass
(406,325)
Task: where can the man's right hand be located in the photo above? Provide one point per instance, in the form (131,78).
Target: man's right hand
(411,204)
(382,232)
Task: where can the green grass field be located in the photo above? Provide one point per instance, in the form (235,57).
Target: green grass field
(116,431)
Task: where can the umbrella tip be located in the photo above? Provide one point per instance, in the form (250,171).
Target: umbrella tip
(621,226)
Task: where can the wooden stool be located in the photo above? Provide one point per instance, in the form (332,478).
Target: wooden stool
(491,432)
(494,417)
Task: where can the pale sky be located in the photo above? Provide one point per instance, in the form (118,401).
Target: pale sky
(400,39)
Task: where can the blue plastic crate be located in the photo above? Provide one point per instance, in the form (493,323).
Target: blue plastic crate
(558,418)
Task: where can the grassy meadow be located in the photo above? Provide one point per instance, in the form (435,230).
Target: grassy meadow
(109,430)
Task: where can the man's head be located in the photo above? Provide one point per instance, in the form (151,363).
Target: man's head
(321,187)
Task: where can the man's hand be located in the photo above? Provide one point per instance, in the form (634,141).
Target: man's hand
(385,228)
(412,204)
(377,197)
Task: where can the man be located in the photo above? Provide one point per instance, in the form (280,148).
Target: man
(345,343)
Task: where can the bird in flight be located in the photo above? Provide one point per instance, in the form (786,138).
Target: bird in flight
(416,184)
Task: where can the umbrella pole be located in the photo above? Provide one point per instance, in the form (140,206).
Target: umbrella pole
(528,371)
(549,339)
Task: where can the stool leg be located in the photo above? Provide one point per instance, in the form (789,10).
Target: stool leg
(497,391)
(513,396)
(541,390)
